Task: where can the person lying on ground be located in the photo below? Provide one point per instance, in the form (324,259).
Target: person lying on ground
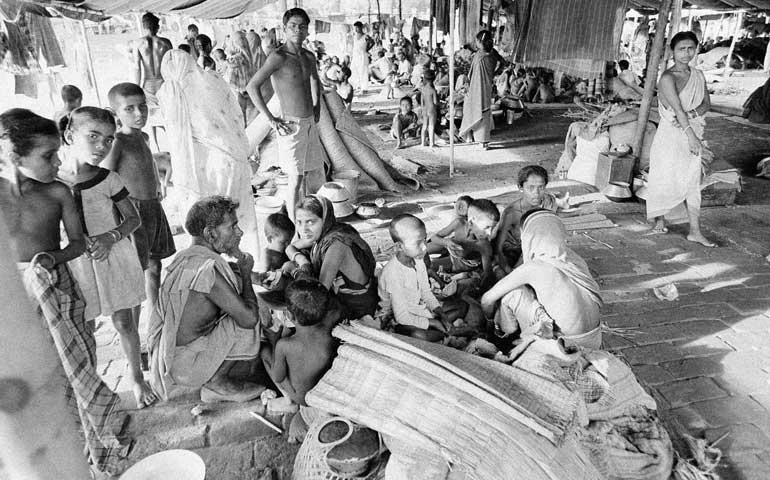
(429,104)
(35,206)
(297,362)
(552,294)
(207,316)
(532,182)
(337,255)
(405,122)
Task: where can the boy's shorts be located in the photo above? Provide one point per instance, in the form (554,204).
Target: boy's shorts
(153,239)
(299,151)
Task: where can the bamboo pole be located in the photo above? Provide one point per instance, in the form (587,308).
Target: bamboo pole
(90,60)
(432,25)
(738,25)
(651,79)
(38,436)
(673,27)
(451,54)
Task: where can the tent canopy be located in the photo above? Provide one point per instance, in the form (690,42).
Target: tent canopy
(191,8)
(709,4)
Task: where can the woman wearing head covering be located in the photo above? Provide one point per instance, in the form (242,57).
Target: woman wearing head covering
(341,259)
(552,294)
(258,56)
(208,145)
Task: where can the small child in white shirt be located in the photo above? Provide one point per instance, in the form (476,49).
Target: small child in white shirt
(405,293)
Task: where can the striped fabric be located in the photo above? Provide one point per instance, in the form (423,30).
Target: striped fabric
(571,36)
(60,304)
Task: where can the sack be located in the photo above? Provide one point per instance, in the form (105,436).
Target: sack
(583,168)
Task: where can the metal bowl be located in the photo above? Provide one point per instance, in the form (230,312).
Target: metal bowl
(368,210)
(617,191)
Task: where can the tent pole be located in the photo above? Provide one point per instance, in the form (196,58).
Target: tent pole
(651,79)
(432,25)
(451,88)
(738,26)
(90,60)
(673,27)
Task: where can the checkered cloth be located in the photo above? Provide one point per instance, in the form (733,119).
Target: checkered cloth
(60,304)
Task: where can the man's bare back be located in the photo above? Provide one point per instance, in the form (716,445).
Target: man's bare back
(132,159)
(309,353)
(34,217)
(147,54)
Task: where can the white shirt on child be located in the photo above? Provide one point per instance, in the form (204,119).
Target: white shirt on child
(405,292)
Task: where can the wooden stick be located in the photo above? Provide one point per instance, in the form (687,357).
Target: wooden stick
(738,26)
(90,60)
(651,79)
(451,88)
(266,422)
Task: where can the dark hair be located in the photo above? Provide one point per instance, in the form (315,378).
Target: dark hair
(358,24)
(205,40)
(308,301)
(529,213)
(184,47)
(486,207)
(408,99)
(209,63)
(623,64)
(429,76)
(465,198)
(485,37)
(312,205)
(21,127)
(530,170)
(346,71)
(192,26)
(218,50)
(70,122)
(682,36)
(279,224)
(151,22)
(380,53)
(70,93)
(295,12)
(208,212)
(123,90)
(399,219)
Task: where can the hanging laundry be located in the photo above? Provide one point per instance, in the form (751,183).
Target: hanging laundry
(470,11)
(418,25)
(442,15)
(571,36)
(26,85)
(16,53)
(44,41)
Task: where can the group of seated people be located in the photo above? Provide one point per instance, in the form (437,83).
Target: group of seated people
(514,278)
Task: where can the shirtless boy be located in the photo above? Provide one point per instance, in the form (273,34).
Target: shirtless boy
(296,363)
(292,70)
(131,158)
(146,54)
(72,98)
(457,229)
(429,103)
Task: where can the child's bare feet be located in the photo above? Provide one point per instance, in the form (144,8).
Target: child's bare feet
(143,394)
(660,227)
(699,238)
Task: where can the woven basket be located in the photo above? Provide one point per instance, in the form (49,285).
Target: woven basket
(338,449)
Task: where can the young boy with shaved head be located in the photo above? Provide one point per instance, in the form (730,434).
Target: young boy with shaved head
(404,289)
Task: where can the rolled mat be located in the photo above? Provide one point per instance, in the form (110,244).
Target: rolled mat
(339,156)
(358,144)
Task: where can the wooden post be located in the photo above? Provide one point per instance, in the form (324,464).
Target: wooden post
(651,79)
(689,19)
(736,31)
(38,436)
(432,24)
(490,14)
(451,54)
(90,60)
(673,28)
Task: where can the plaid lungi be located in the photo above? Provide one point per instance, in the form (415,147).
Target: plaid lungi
(61,305)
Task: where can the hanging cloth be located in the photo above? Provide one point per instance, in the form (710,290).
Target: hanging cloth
(322,27)
(442,15)
(470,20)
(16,53)
(44,41)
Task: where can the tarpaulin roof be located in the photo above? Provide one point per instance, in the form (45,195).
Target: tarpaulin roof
(710,4)
(192,8)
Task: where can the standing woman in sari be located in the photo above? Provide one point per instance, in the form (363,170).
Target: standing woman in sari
(677,150)
(207,142)
(342,261)
(477,106)
(359,62)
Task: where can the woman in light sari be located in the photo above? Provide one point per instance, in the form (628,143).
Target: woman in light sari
(477,106)
(552,294)
(208,145)
(677,153)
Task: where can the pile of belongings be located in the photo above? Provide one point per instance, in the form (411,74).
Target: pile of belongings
(540,412)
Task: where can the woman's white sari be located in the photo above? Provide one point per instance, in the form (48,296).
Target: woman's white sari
(675,173)
(207,142)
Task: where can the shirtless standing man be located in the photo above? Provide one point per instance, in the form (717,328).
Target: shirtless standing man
(147,53)
(294,76)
